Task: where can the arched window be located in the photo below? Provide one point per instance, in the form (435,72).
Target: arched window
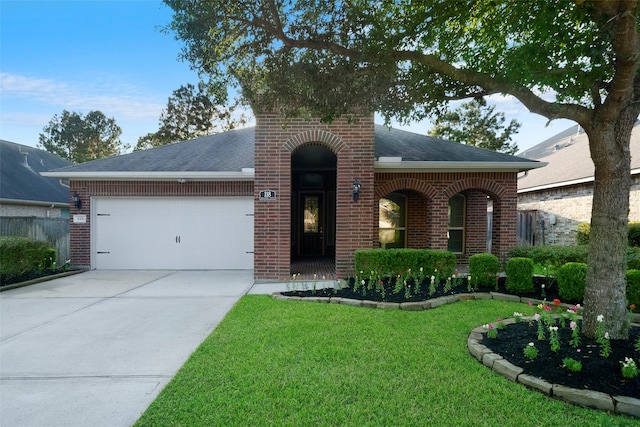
(455,232)
(392,221)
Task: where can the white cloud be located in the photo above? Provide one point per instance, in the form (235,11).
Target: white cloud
(113,98)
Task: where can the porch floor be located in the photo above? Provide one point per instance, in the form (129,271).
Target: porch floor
(323,268)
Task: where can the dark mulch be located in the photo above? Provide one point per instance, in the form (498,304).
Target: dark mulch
(598,373)
(5,281)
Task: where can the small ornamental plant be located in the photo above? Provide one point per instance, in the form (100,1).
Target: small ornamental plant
(572,364)
(500,324)
(602,337)
(554,340)
(575,334)
(541,334)
(491,331)
(530,351)
(517,316)
(637,345)
(629,368)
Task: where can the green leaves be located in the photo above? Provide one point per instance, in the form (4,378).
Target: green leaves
(80,138)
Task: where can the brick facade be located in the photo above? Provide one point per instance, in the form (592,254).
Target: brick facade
(428,198)
(352,144)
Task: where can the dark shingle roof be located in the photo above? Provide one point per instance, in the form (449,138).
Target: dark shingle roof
(414,147)
(234,150)
(570,161)
(22,181)
(227,151)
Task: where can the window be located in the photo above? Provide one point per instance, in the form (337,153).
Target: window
(455,232)
(392,221)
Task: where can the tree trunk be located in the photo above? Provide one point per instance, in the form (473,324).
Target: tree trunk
(605,292)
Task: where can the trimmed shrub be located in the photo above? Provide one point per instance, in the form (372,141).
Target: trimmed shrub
(633,288)
(20,255)
(572,278)
(519,275)
(632,258)
(634,234)
(390,262)
(551,256)
(483,269)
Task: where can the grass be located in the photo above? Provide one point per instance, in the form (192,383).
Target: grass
(285,363)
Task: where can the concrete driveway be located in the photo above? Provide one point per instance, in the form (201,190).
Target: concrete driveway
(95,349)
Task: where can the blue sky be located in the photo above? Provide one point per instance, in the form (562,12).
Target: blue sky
(109,55)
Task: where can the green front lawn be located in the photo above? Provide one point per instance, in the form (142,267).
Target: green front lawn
(285,363)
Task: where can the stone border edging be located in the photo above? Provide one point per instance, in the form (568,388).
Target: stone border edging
(587,398)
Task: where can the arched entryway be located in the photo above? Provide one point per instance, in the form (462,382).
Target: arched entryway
(313,211)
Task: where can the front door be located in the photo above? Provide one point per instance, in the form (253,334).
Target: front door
(311,224)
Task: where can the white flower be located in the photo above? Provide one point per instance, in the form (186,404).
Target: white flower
(553,328)
(542,286)
(606,335)
(531,344)
(363,282)
(600,318)
(516,314)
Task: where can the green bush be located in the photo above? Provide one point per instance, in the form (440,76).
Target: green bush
(20,255)
(582,233)
(390,262)
(634,234)
(519,275)
(571,279)
(551,256)
(483,269)
(633,288)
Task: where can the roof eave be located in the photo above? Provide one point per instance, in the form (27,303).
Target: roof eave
(459,166)
(568,183)
(34,203)
(244,175)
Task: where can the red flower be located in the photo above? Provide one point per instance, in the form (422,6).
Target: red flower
(556,302)
(547,308)
(632,307)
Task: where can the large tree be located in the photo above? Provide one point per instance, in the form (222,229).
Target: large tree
(477,123)
(190,114)
(576,60)
(80,138)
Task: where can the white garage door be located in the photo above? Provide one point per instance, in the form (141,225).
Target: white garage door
(173,233)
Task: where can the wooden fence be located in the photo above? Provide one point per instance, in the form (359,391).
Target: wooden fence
(55,231)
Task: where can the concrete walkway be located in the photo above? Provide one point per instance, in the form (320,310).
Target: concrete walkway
(95,349)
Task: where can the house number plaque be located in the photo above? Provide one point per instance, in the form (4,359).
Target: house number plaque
(267,195)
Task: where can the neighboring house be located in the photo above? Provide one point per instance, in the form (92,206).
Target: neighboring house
(23,191)
(260,198)
(555,199)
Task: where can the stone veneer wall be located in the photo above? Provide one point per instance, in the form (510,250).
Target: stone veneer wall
(352,143)
(80,234)
(570,206)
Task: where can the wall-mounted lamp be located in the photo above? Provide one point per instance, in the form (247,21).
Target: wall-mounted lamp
(77,200)
(356,189)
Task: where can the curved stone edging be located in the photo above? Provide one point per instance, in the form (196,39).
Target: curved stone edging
(587,398)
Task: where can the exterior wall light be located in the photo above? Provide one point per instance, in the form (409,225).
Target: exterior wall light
(356,189)
(77,201)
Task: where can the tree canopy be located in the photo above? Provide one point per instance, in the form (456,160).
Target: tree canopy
(476,123)
(189,114)
(80,138)
(406,59)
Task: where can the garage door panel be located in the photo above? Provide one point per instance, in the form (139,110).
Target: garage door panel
(173,233)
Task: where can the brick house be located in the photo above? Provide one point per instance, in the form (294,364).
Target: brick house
(263,198)
(556,199)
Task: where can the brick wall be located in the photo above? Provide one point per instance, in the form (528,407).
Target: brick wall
(80,233)
(435,189)
(352,143)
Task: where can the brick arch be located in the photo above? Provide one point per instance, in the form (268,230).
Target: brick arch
(328,139)
(492,188)
(406,184)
